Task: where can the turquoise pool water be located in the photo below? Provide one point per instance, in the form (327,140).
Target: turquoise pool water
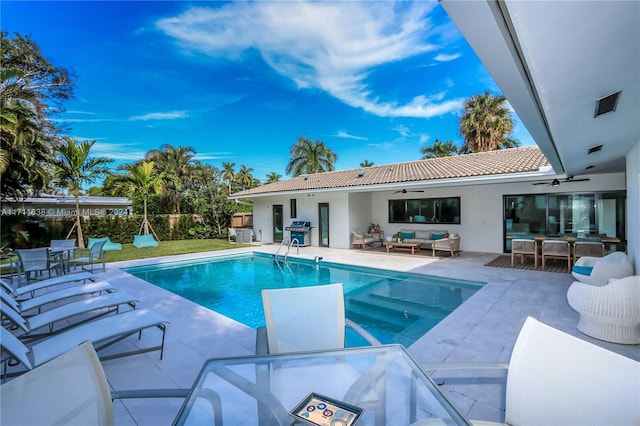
(395,307)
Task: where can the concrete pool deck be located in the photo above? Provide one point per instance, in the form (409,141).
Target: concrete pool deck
(483,329)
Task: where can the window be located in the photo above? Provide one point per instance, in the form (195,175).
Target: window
(565,215)
(293,207)
(425,210)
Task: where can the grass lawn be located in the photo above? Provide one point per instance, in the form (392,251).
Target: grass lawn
(169,248)
(166,248)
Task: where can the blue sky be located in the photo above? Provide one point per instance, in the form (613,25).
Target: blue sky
(239,82)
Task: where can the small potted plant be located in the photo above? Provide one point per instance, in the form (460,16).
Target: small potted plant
(374,227)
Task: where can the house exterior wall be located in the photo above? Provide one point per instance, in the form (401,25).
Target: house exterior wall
(633,205)
(481,219)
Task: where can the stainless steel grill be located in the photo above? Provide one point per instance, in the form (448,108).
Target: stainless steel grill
(299,230)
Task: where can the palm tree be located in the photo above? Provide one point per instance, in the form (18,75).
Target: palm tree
(174,165)
(439,149)
(273,177)
(310,157)
(74,167)
(141,179)
(244,178)
(486,123)
(228,173)
(366,163)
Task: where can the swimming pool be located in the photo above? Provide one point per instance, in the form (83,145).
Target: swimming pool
(395,307)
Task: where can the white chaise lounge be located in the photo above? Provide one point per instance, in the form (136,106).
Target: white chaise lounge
(102,332)
(23,305)
(30,289)
(90,308)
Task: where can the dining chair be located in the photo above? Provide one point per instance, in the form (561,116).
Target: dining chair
(63,251)
(556,249)
(524,247)
(304,319)
(591,248)
(36,261)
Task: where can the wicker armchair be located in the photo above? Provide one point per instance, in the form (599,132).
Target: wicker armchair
(610,312)
(598,270)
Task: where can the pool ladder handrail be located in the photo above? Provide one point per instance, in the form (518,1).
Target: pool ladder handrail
(282,243)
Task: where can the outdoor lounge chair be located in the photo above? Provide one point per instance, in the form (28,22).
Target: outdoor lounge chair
(72,389)
(143,241)
(36,261)
(87,257)
(362,240)
(305,319)
(558,379)
(102,332)
(22,306)
(32,288)
(102,305)
(610,312)
(598,270)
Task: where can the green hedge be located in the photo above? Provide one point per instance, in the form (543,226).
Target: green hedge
(22,231)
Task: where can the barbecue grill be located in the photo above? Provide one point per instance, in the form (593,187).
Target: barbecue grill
(299,230)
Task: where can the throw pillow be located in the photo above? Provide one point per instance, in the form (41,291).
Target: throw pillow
(582,270)
(438,236)
(405,235)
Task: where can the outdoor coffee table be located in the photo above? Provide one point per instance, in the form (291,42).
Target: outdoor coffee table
(394,245)
(261,390)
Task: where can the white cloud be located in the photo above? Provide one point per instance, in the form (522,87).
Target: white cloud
(331,46)
(444,57)
(172,115)
(118,151)
(344,135)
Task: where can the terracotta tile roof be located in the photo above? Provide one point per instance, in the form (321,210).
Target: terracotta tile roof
(515,160)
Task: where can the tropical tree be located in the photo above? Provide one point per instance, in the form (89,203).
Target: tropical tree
(73,168)
(439,149)
(273,177)
(141,179)
(486,123)
(366,163)
(31,90)
(228,173)
(174,165)
(244,178)
(310,157)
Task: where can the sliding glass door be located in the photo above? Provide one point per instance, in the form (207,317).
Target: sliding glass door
(565,215)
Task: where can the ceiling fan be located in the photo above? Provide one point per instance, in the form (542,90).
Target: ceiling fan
(556,182)
(404,191)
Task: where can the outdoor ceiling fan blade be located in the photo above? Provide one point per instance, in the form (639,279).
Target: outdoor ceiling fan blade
(540,183)
(578,180)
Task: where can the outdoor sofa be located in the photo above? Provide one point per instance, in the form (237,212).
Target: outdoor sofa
(435,240)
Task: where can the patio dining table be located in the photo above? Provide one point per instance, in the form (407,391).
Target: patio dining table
(328,387)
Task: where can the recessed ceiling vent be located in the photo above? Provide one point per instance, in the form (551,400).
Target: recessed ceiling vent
(594,149)
(607,104)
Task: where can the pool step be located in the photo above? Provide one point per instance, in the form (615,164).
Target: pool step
(393,313)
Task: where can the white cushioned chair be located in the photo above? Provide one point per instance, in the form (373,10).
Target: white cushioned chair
(598,270)
(610,312)
(362,240)
(554,378)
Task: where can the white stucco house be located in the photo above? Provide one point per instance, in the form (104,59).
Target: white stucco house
(571,70)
